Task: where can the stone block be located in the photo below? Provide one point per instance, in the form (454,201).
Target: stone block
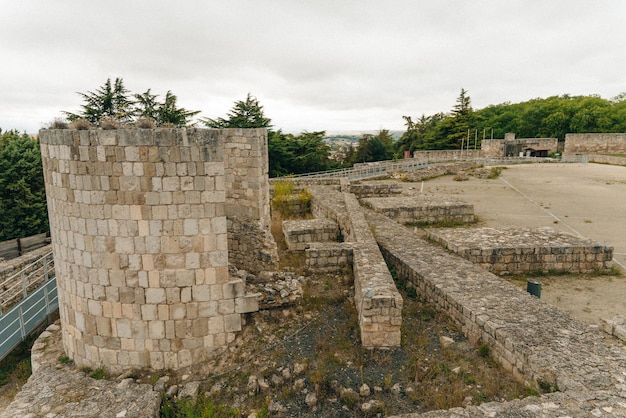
(247,304)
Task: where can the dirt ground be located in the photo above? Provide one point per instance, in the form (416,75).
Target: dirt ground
(583,199)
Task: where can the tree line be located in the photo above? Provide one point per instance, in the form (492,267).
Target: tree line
(552,117)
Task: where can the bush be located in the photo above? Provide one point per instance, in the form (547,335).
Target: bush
(81,124)
(108,123)
(145,123)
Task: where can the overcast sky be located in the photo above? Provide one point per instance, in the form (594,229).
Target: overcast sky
(314,65)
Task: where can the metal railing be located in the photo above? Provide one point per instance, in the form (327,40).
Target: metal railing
(368,170)
(29,298)
(30,277)
(383,168)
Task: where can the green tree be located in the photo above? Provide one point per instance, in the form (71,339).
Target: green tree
(378,147)
(244,114)
(109,100)
(23,210)
(461,120)
(168,113)
(297,154)
(146,105)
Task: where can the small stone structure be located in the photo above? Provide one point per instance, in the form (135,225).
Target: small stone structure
(329,256)
(422,208)
(595,143)
(519,251)
(299,233)
(375,189)
(513,147)
(143,225)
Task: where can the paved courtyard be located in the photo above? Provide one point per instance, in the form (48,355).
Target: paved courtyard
(583,199)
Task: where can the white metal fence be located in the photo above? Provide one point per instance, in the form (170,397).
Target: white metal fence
(32,297)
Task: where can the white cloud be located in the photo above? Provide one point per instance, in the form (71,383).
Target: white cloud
(326,64)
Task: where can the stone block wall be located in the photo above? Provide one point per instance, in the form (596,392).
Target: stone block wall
(246,166)
(532,340)
(495,148)
(424,209)
(448,155)
(492,148)
(519,251)
(299,233)
(597,143)
(329,256)
(377,300)
(607,159)
(375,189)
(138,221)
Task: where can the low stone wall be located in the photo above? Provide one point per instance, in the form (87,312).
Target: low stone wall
(375,189)
(378,302)
(518,251)
(301,232)
(534,341)
(423,209)
(447,155)
(595,143)
(306,181)
(433,171)
(607,159)
(291,206)
(329,256)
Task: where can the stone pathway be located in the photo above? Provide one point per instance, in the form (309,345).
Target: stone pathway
(56,390)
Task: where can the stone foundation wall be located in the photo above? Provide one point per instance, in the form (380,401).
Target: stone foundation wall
(138,221)
(301,232)
(375,189)
(378,302)
(329,256)
(598,143)
(422,209)
(514,251)
(447,155)
(534,341)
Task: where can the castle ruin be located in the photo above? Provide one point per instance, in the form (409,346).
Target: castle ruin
(144,224)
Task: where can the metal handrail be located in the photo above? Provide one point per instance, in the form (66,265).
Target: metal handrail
(381,168)
(28,279)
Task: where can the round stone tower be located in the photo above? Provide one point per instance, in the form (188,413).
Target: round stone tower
(139,234)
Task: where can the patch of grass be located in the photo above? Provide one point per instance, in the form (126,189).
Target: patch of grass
(613,271)
(495,172)
(547,387)
(97,374)
(200,406)
(289,201)
(65,360)
(483,350)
